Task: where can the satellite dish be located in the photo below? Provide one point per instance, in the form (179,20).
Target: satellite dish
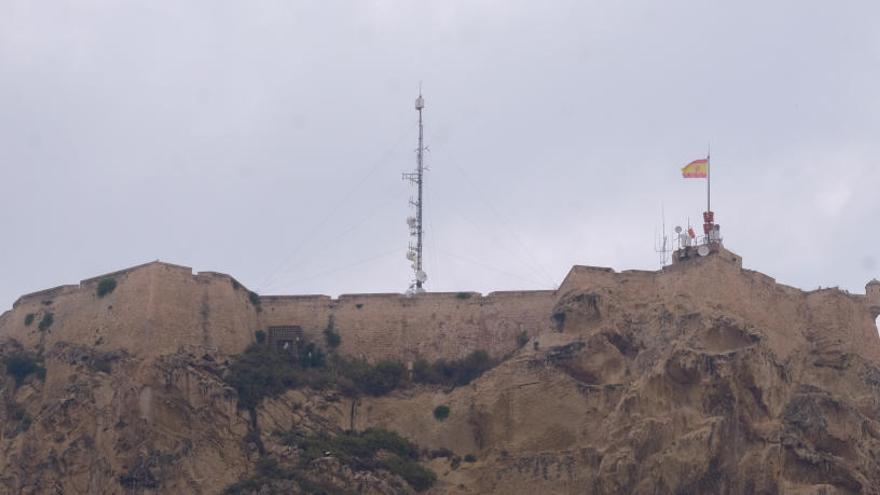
(703,250)
(678,230)
(411,221)
(411,255)
(421,276)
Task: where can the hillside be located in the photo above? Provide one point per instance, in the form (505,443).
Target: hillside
(703,377)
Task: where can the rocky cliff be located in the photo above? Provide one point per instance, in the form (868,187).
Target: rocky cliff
(700,378)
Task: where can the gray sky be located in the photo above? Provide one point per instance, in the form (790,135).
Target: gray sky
(266,139)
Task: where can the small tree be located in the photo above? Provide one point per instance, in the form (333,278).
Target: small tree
(106,286)
(522,339)
(46,322)
(441,412)
(21,365)
(28,319)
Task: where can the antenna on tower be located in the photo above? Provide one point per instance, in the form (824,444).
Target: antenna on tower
(662,243)
(416,230)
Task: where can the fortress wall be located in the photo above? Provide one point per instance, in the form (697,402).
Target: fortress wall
(155,309)
(432,325)
(159,308)
(45,295)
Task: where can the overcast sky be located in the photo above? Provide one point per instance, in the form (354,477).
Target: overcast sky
(266,139)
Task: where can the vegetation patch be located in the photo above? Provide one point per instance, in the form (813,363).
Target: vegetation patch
(266,371)
(361,451)
(260,335)
(455,373)
(470,458)
(263,371)
(46,322)
(23,364)
(29,319)
(370,379)
(106,286)
(254,298)
(332,337)
(463,295)
(441,412)
(522,339)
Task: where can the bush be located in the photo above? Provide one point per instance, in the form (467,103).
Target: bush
(254,298)
(262,372)
(46,322)
(332,338)
(470,458)
(359,450)
(21,365)
(28,319)
(418,476)
(260,335)
(522,339)
(106,286)
(441,412)
(452,373)
(376,380)
(463,295)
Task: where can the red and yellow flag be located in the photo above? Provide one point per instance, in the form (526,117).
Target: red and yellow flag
(697,169)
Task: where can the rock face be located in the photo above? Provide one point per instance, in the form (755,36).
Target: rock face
(701,378)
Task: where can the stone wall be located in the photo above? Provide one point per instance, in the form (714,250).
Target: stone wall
(159,308)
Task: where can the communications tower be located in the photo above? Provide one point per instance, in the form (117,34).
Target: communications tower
(416,230)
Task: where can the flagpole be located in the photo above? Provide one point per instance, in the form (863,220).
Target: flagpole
(709,179)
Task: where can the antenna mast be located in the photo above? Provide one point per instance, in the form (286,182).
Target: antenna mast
(416,230)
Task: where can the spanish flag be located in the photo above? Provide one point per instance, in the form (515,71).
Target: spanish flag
(697,169)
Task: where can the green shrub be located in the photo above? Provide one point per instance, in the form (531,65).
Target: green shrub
(441,412)
(254,298)
(359,451)
(522,339)
(376,380)
(260,335)
(457,372)
(46,322)
(21,365)
(470,458)
(262,372)
(418,476)
(332,338)
(106,286)
(463,295)
(28,319)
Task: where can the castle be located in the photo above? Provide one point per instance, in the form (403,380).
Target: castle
(160,308)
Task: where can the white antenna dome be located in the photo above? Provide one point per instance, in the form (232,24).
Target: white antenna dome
(421,276)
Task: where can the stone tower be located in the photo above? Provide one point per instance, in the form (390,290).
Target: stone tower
(872,291)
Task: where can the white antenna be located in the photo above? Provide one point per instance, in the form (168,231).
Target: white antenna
(416,230)
(662,244)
